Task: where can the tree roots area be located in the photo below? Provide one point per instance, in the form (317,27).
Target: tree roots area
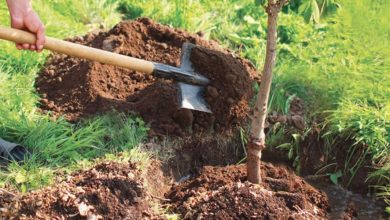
(194,181)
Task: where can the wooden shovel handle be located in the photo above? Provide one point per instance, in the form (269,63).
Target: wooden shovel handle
(77,50)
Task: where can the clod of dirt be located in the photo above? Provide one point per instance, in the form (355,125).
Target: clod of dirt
(78,88)
(231,88)
(107,191)
(223,193)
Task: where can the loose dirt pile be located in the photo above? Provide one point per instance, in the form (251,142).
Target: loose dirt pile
(78,88)
(222,193)
(108,190)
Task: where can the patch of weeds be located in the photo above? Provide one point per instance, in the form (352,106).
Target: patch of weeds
(60,144)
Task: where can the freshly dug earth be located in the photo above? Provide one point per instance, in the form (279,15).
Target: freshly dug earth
(77,88)
(109,190)
(224,193)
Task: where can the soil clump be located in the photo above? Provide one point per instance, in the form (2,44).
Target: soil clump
(224,193)
(77,88)
(109,190)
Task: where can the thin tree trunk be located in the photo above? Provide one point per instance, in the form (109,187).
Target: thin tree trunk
(257,136)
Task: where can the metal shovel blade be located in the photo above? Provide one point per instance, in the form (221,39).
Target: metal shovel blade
(191,97)
(190,83)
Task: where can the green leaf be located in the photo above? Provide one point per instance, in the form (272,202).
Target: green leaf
(250,20)
(260,2)
(328,7)
(290,154)
(284,146)
(310,11)
(335,176)
(297,137)
(305,10)
(388,209)
(23,188)
(315,14)
(20,178)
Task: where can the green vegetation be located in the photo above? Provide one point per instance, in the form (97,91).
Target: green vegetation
(56,144)
(339,65)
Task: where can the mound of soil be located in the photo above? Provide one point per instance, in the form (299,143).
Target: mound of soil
(109,190)
(77,88)
(224,193)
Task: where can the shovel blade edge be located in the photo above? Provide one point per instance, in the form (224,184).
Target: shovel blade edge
(192,97)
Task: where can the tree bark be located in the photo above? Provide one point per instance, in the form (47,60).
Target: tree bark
(256,141)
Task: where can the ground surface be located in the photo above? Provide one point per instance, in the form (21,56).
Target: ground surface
(222,193)
(108,190)
(78,88)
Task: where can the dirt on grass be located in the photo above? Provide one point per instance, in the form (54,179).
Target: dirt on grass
(224,193)
(77,88)
(109,190)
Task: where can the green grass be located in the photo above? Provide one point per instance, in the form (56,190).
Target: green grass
(346,73)
(56,145)
(339,67)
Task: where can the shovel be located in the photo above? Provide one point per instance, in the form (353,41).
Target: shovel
(12,152)
(191,84)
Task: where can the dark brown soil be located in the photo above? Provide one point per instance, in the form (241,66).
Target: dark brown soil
(199,151)
(223,193)
(78,88)
(107,191)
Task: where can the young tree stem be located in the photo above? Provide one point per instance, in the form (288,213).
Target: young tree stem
(257,136)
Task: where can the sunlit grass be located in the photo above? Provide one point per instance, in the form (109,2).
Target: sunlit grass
(56,145)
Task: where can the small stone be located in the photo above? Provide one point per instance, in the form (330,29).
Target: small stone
(149,77)
(111,85)
(230,100)
(231,78)
(212,91)
(59,79)
(148,47)
(137,77)
(94,217)
(78,38)
(298,122)
(83,209)
(200,33)
(131,175)
(51,72)
(184,117)
(164,46)
(137,199)
(281,118)
(65,198)
(50,105)
(146,21)
(108,45)
(44,101)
